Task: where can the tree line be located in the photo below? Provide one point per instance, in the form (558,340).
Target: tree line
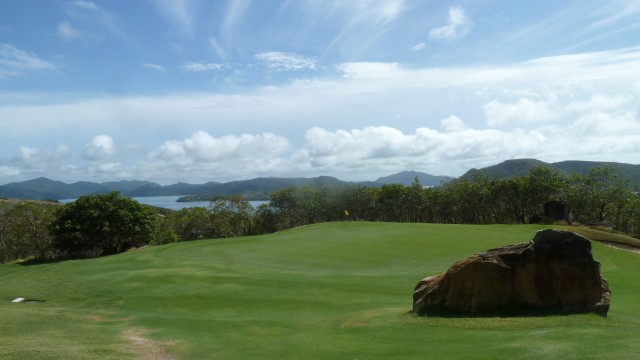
(602,197)
(105,224)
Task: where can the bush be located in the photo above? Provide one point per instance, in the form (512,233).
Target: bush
(96,225)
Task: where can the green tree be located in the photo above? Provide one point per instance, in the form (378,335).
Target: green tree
(5,223)
(509,203)
(470,199)
(360,202)
(231,216)
(301,205)
(543,185)
(415,202)
(599,196)
(629,217)
(24,231)
(165,231)
(95,225)
(390,202)
(288,205)
(266,220)
(192,223)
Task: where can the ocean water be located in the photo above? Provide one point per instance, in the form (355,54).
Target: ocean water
(169,202)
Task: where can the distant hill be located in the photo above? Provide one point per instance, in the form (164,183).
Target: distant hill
(43,188)
(583,167)
(408,177)
(507,169)
(520,167)
(126,185)
(259,188)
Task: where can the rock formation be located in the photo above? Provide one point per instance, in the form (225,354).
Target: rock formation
(553,273)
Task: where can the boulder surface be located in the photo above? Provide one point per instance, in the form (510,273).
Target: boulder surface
(553,273)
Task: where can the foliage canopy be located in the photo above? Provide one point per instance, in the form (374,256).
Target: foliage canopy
(103,224)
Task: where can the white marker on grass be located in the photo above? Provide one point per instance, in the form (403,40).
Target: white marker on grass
(17,300)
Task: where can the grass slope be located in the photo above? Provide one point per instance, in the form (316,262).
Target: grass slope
(328,291)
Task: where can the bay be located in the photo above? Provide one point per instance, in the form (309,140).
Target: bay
(169,202)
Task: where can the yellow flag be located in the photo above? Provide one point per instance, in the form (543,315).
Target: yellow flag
(346,213)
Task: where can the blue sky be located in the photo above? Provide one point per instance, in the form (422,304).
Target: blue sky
(195,90)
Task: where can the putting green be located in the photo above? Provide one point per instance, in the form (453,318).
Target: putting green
(327,291)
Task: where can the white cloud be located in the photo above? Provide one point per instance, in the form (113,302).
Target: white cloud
(154,67)
(234,14)
(223,41)
(373,148)
(418,47)
(67,32)
(100,148)
(200,67)
(370,70)
(457,27)
(203,157)
(111,168)
(86,5)
(27,154)
(628,9)
(452,124)
(218,47)
(96,22)
(280,61)
(599,102)
(232,151)
(360,12)
(524,112)
(606,123)
(179,12)
(16,62)
(581,106)
(30,158)
(390,10)
(356,26)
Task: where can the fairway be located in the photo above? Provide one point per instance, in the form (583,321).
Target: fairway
(327,291)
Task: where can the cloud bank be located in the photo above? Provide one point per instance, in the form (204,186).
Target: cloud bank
(364,120)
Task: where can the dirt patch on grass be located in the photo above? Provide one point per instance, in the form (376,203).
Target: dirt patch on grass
(616,241)
(620,246)
(146,348)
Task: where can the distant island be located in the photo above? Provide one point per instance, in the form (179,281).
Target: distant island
(255,196)
(253,189)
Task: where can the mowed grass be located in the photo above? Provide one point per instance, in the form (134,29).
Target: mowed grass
(328,291)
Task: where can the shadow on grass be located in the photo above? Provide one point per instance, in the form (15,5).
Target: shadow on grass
(498,313)
(32,301)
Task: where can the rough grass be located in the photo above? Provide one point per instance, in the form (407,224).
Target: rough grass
(329,291)
(607,237)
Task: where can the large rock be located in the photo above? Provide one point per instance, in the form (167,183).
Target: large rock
(553,273)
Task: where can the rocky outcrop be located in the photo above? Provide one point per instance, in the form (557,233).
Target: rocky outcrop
(553,273)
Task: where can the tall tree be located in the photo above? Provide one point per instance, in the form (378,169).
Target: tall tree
(599,196)
(231,215)
(543,185)
(390,202)
(192,223)
(24,231)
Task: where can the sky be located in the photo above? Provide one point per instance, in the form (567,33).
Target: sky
(223,90)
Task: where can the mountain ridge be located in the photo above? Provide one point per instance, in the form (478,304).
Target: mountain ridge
(520,167)
(42,188)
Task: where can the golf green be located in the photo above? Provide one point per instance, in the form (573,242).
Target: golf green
(328,291)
